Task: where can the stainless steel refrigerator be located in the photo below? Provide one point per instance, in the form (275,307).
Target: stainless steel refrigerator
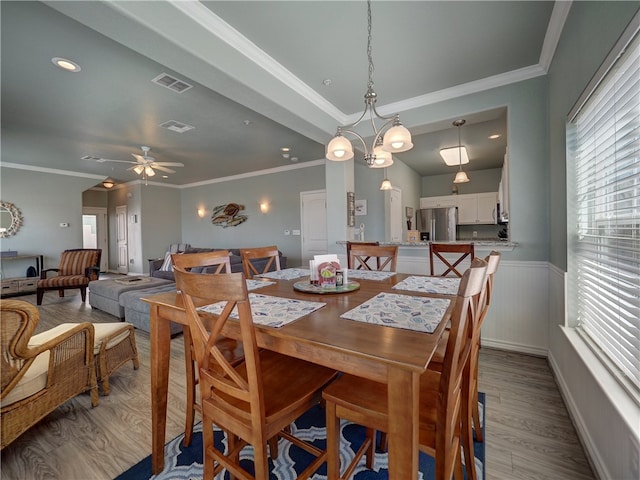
(437,224)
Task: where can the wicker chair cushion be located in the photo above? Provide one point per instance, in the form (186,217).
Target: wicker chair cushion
(34,380)
(76,262)
(104,330)
(64,281)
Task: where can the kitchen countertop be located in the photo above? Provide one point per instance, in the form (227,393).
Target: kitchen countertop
(482,244)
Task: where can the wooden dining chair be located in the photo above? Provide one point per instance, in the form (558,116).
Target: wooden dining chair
(248,254)
(255,400)
(438,252)
(362,256)
(350,246)
(437,361)
(203,262)
(441,396)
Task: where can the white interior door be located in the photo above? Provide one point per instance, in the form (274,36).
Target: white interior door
(395,215)
(121,235)
(95,233)
(313,218)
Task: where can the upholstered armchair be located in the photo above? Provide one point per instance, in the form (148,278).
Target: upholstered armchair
(77,268)
(38,376)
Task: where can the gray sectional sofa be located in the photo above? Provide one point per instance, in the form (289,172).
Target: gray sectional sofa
(234,258)
(125,300)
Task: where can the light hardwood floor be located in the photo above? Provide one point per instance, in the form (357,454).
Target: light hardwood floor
(528,432)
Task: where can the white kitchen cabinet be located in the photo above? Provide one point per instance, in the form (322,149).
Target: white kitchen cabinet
(477,208)
(439,202)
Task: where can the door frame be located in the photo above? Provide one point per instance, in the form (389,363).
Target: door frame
(102,233)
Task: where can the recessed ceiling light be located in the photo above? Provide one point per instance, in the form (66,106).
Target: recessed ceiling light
(494,136)
(285,149)
(65,64)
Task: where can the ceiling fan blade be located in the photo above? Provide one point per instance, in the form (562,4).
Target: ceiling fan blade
(140,158)
(167,164)
(102,160)
(162,169)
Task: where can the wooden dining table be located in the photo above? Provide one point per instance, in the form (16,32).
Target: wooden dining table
(390,355)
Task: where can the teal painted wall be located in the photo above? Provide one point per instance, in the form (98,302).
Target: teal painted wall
(590,32)
(280,190)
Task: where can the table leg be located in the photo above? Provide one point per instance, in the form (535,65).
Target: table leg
(160,340)
(403,393)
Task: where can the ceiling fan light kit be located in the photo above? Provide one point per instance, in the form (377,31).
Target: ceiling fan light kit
(144,164)
(391,137)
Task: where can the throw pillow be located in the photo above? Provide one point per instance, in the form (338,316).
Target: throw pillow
(167,265)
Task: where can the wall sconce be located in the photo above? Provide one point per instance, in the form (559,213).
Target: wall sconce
(202,212)
(264,207)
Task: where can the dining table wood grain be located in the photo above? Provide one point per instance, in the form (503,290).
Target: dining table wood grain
(390,355)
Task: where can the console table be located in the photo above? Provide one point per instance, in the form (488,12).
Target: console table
(21,285)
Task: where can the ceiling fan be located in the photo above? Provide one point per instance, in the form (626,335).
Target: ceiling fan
(144,164)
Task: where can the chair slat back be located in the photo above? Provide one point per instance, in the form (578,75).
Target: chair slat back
(77,261)
(217,375)
(350,245)
(456,360)
(206,262)
(436,251)
(384,255)
(493,261)
(248,254)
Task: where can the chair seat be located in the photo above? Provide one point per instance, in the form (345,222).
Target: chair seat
(115,353)
(358,396)
(283,387)
(34,380)
(63,281)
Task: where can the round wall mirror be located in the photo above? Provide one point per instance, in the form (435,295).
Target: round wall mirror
(10,219)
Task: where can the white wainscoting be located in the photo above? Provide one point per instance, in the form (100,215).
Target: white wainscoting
(518,319)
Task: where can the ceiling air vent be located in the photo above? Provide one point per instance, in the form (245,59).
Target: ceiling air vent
(177,126)
(172,83)
(89,157)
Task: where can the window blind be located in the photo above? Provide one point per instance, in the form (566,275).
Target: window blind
(603,141)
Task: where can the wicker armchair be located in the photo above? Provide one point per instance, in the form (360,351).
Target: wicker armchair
(77,268)
(35,380)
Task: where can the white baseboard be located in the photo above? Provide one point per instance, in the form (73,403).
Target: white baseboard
(515,347)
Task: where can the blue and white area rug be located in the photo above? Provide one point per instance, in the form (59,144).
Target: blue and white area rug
(185,463)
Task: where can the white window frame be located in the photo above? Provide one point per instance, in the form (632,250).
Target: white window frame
(603,212)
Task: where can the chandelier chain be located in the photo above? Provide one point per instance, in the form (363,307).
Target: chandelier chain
(369,50)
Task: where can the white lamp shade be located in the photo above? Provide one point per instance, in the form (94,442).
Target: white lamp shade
(386,184)
(461,177)
(397,139)
(138,169)
(383,159)
(339,149)
(452,158)
(149,171)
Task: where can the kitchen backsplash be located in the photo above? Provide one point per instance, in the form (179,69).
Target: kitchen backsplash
(483,232)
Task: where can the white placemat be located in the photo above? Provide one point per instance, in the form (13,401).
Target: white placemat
(286,274)
(369,274)
(422,314)
(442,285)
(255,284)
(270,311)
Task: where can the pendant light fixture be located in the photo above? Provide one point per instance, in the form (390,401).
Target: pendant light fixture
(386,183)
(461,177)
(391,137)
